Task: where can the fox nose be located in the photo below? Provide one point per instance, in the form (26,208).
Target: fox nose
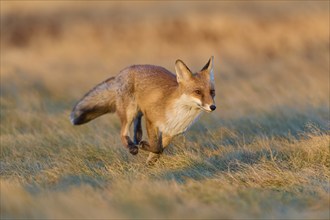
(213,107)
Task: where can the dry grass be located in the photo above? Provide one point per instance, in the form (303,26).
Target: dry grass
(263,154)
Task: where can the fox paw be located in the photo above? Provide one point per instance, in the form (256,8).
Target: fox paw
(144,145)
(133,149)
(152,159)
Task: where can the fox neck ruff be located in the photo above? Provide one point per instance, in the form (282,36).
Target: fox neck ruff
(181,115)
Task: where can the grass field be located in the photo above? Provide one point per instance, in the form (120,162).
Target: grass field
(264,153)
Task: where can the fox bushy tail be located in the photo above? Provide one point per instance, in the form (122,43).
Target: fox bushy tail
(98,101)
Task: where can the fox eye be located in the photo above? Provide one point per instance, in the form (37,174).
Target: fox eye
(198,92)
(212,92)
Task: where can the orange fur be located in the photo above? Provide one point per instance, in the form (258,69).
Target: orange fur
(170,103)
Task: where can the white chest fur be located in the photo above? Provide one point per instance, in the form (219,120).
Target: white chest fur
(181,116)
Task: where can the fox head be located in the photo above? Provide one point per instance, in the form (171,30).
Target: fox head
(197,88)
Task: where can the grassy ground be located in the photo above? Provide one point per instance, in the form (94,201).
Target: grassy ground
(264,153)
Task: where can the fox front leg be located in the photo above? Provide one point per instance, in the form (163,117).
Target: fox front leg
(154,143)
(154,154)
(138,129)
(152,158)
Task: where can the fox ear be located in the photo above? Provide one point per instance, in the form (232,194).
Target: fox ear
(209,68)
(183,73)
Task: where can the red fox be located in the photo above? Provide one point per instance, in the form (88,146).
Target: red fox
(170,103)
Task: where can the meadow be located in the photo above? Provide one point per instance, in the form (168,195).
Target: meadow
(263,154)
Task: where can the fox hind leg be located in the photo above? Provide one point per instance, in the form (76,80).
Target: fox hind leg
(126,140)
(126,121)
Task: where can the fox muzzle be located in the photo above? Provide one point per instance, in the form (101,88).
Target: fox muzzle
(213,107)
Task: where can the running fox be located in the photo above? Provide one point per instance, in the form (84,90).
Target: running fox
(170,103)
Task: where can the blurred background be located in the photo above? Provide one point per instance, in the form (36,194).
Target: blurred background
(267,54)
